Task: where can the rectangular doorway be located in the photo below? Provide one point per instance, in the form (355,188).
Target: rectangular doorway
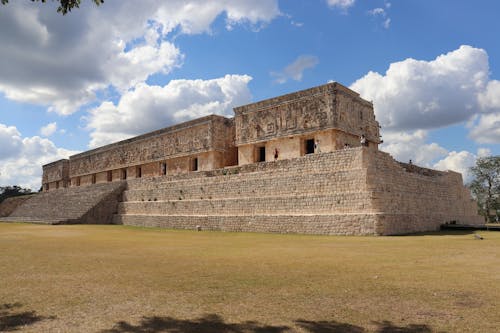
(261,154)
(309,146)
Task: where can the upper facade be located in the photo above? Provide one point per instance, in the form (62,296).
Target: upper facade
(320,119)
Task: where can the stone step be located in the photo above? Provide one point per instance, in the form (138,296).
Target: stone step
(70,205)
(311,164)
(312,203)
(324,183)
(327,224)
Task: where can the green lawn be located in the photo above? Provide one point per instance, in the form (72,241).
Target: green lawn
(122,279)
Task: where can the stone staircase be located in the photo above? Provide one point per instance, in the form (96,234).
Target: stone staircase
(94,204)
(316,194)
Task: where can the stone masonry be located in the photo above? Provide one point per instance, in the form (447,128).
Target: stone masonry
(289,164)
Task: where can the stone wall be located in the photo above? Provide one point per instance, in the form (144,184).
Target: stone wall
(412,199)
(194,137)
(348,192)
(330,106)
(56,175)
(331,115)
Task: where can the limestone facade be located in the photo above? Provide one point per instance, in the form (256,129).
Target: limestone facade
(320,119)
(292,163)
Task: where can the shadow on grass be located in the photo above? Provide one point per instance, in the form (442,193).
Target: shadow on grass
(12,320)
(208,324)
(442,233)
(215,324)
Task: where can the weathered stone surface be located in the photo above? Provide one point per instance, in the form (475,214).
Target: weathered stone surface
(289,164)
(10,204)
(86,204)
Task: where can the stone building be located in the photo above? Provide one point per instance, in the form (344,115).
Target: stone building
(293,163)
(321,119)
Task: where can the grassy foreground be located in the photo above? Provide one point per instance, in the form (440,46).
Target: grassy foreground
(119,279)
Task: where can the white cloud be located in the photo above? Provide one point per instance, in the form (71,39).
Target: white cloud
(380,13)
(489,99)
(296,69)
(387,23)
(63,61)
(11,141)
(377,11)
(48,129)
(343,4)
(148,108)
(483,152)
(21,163)
(458,162)
(486,129)
(417,94)
(405,146)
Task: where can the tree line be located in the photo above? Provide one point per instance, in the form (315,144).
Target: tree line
(65,6)
(485,187)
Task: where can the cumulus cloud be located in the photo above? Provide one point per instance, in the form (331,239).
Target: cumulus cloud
(21,162)
(405,146)
(63,61)
(48,129)
(296,69)
(417,94)
(458,162)
(486,129)
(148,108)
(343,4)
(11,141)
(489,99)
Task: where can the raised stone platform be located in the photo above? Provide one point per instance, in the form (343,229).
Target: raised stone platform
(354,191)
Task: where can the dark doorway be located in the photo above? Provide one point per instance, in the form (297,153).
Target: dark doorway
(124,173)
(163,168)
(261,154)
(309,146)
(110,176)
(138,172)
(194,164)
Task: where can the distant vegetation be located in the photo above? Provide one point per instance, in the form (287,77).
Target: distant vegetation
(486,187)
(12,191)
(65,5)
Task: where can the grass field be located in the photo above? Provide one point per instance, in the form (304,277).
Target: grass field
(121,279)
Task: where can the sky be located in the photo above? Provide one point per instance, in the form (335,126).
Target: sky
(102,74)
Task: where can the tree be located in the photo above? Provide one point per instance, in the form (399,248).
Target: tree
(486,186)
(65,5)
(12,191)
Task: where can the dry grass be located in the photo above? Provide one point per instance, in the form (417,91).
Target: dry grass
(119,279)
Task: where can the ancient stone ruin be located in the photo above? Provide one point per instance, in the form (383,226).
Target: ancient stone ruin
(289,164)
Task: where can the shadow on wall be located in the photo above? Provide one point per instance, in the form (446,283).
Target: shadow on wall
(12,320)
(215,324)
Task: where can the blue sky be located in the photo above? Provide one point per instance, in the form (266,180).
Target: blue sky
(98,75)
